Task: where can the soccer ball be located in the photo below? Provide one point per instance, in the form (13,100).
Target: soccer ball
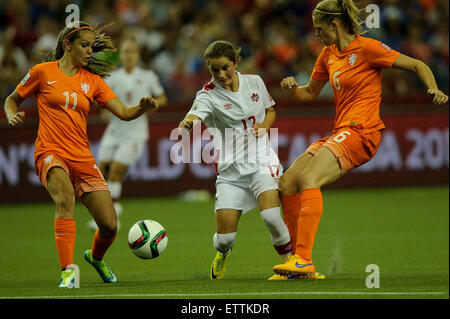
(147,239)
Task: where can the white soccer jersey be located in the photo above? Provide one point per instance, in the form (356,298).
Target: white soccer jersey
(130,88)
(231,114)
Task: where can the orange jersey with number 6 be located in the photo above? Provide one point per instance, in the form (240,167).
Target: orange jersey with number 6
(63,105)
(355,77)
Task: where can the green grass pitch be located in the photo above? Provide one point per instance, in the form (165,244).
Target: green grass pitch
(405,231)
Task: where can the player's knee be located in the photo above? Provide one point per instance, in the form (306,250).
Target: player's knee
(108,229)
(224,242)
(65,204)
(287,185)
(308,180)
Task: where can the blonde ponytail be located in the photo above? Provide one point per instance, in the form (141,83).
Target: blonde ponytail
(98,63)
(344,10)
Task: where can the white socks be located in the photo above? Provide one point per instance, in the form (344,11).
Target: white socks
(115,189)
(224,242)
(278,231)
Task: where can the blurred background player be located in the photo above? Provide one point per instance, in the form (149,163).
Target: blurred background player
(241,103)
(65,88)
(352,64)
(123,142)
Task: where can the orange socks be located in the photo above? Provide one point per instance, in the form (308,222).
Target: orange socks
(291,208)
(308,221)
(65,240)
(101,245)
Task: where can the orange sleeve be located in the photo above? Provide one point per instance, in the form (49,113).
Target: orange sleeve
(30,83)
(103,92)
(379,55)
(320,72)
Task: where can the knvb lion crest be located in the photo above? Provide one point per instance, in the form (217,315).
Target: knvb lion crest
(352,59)
(85,87)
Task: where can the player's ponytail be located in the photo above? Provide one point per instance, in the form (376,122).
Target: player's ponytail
(220,48)
(98,63)
(344,10)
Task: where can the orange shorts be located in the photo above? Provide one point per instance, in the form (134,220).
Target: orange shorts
(85,176)
(352,146)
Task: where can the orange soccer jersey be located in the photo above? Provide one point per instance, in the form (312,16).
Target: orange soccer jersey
(63,105)
(355,77)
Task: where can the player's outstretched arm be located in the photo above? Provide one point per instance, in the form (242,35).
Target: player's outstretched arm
(306,93)
(119,109)
(188,122)
(422,70)
(12,103)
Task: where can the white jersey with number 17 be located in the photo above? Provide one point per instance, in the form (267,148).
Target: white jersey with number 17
(232,114)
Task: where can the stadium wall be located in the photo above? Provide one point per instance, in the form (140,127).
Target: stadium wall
(414,151)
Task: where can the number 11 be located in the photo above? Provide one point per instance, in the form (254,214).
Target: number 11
(74,95)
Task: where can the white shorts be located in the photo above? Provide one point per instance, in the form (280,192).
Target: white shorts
(126,153)
(243,194)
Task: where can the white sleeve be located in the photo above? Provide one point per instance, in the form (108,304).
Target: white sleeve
(155,86)
(202,106)
(266,98)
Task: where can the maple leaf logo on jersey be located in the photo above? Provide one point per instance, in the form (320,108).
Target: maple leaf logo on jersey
(85,87)
(352,59)
(209,86)
(255,97)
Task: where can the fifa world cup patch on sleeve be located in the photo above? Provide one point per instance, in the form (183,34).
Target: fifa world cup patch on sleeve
(48,159)
(385,46)
(194,106)
(27,76)
(352,59)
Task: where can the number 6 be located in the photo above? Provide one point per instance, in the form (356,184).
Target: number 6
(341,136)
(336,83)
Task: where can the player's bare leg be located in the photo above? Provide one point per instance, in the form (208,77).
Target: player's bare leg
(289,181)
(100,206)
(61,191)
(226,227)
(323,169)
(269,206)
(290,194)
(114,173)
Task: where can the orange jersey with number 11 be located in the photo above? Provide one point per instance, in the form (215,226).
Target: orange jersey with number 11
(355,77)
(63,105)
